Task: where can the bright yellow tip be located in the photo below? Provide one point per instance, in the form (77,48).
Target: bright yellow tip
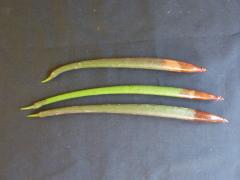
(46,80)
(32,116)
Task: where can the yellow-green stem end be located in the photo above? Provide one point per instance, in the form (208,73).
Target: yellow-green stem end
(46,80)
(33,116)
(27,108)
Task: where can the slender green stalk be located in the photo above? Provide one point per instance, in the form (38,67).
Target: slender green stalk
(131,89)
(133,63)
(136,109)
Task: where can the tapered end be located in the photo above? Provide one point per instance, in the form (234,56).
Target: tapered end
(198,69)
(207,117)
(27,108)
(225,121)
(33,116)
(187,67)
(214,97)
(46,80)
(199,95)
(219,98)
(181,66)
(202,69)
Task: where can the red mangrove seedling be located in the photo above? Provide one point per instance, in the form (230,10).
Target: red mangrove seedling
(137,109)
(128,89)
(133,63)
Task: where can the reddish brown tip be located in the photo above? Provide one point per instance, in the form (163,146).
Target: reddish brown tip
(199,95)
(207,117)
(214,97)
(187,67)
(181,66)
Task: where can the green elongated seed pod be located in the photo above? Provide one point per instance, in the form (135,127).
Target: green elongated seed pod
(131,89)
(137,109)
(133,63)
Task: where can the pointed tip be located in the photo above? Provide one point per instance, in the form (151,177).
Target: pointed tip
(225,121)
(219,120)
(208,117)
(203,69)
(46,80)
(26,108)
(219,98)
(32,115)
(200,69)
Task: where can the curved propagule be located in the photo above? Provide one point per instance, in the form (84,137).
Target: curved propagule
(137,109)
(128,89)
(133,63)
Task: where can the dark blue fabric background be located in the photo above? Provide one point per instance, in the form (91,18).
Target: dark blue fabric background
(36,36)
